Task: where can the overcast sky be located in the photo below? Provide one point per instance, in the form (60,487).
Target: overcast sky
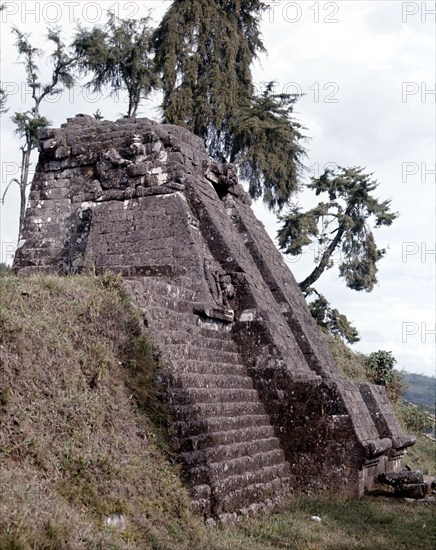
(367,70)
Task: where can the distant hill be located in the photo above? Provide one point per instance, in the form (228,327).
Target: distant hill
(421,389)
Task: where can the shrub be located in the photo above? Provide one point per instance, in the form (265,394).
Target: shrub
(416,418)
(379,368)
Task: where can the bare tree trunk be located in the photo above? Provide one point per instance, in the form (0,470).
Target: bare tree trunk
(134,101)
(24,180)
(131,111)
(320,268)
(22,211)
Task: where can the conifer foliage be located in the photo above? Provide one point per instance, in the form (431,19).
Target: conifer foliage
(330,319)
(267,147)
(118,55)
(204,51)
(343,224)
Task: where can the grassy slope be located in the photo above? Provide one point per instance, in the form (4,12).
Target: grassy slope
(73,446)
(78,441)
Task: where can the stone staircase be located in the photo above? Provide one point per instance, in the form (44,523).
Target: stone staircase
(230,457)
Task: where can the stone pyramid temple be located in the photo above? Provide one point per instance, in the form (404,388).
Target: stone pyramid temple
(258,405)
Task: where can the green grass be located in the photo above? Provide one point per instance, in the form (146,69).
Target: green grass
(367,523)
(83,435)
(350,363)
(422,456)
(76,444)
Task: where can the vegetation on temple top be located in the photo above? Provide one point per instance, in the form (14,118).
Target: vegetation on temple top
(118,56)
(204,52)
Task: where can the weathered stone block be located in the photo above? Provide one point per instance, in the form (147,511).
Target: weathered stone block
(412,490)
(62,152)
(55,193)
(138,169)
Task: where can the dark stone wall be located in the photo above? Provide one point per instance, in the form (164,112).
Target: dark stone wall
(285,291)
(144,200)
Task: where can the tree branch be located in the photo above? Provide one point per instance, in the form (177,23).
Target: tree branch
(13,180)
(321,267)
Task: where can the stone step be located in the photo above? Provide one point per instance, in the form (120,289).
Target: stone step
(155,313)
(192,329)
(210,473)
(150,286)
(220,423)
(229,437)
(214,328)
(176,305)
(201,494)
(224,453)
(184,396)
(257,492)
(174,337)
(206,367)
(264,475)
(201,507)
(172,305)
(160,308)
(200,350)
(195,380)
(200,411)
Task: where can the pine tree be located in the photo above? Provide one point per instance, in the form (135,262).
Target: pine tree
(204,49)
(29,122)
(266,146)
(118,56)
(341,224)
